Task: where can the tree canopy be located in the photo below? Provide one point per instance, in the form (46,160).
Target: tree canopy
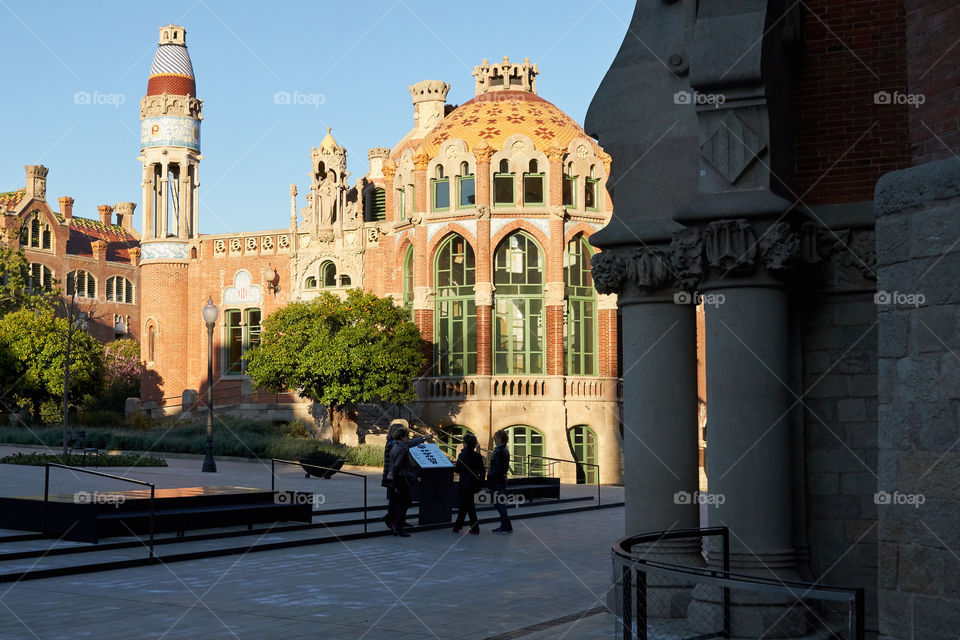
(339,352)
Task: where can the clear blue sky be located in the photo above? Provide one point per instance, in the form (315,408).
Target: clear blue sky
(359,55)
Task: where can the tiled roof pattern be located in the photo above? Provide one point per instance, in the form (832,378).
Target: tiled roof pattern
(84,232)
(171,71)
(10,199)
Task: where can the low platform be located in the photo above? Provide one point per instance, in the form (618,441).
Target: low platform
(88,517)
(534,487)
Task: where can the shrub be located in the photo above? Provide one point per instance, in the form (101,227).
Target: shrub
(116,460)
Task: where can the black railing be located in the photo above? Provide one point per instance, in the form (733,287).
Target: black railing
(634,569)
(554,461)
(305,465)
(46,492)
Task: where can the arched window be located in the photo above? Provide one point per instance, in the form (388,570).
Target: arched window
(518,280)
(450,439)
(580,332)
(345,280)
(583,446)
(152,343)
(466,187)
(35,233)
(533,185)
(524,443)
(81,284)
(310,283)
(119,289)
(591,197)
(455,316)
(441,191)
(41,278)
(328,275)
(408,281)
(242,329)
(569,186)
(503,185)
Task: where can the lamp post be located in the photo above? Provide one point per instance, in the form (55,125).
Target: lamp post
(209,314)
(71,326)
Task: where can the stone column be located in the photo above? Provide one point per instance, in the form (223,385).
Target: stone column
(185,216)
(162,191)
(389,172)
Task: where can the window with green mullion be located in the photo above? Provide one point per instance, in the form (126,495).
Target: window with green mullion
(570,191)
(591,195)
(533,186)
(466,187)
(455,339)
(503,183)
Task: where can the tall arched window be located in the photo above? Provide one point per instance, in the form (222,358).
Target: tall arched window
(408,281)
(518,279)
(580,332)
(455,316)
(526,441)
(533,185)
(569,186)
(583,446)
(35,233)
(466,187)
(242,333)
(81,284)
(152,343)
(328,275)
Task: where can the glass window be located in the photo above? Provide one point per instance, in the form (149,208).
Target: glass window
(81,284)
(41,278)
(441,191)
(345,280)
(569,187)
(591,194)
(450,439)
(503,185)
(152,342)
(455,318)
(242,328)
(408,282)
(466,187)
(580,323)
(35,233)
(401,204)
(583,445)
(119,289)
(533,185)
(526,441)
(518,331)
(328,274)
(310,283)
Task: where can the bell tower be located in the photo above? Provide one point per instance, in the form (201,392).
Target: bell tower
(170,117)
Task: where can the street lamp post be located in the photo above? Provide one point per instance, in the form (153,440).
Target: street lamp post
(209,313)
(71,325)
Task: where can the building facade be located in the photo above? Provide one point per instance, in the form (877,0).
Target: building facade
(477,221)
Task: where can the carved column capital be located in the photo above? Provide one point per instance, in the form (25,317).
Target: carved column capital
(484,153)
(483,212)
(608,270)
(553,294)
(421,161)
(730,245)
(423,298)
(483,294)
(558,211)
(389,170)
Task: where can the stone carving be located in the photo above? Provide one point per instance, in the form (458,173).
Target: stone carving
(325,236)
(730,245)
(389,170)
(483,294)
(559,211)
(284,242)
(779,247)
(650,268)
(608,271)
(422,298)
(40,188)
(251,245)
(850,256)
(553,294)
(554,153)
(168,105)
(219,247)
(235,245)
(483,212)
(326,197)
(519,146)
(451,151)
(266,243)
(686,256)
(732,148)
(582,152)
(373,235)
(421,161)
(484,153)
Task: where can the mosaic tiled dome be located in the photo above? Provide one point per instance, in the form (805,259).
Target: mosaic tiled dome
(172,71)
(491,118)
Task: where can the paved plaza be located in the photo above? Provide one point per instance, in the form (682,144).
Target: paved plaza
(547,580)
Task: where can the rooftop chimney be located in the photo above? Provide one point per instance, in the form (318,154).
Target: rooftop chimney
(125,214)
(105,211)
(36,182)
(66,207)
(377,157)
(429,98)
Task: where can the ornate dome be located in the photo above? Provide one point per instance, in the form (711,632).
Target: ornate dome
(172,71)
(491,118)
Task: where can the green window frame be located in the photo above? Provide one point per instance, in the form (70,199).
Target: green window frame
(401,204)
(81,284)
(519,306)
(328,275)
(580,323)
(524,441)
(35,234)
(310,283)
(569,190)
(450,439)
(583,446)
(41,278)
(466,187)
(241,333)
(591,195)
(533,186)
(440,188)
(503,186)
(378,204)
(408,282)
(119,289)
(455,309)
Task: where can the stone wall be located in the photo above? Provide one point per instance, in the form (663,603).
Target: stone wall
(919,394)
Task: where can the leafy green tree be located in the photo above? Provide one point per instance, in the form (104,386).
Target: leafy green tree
(339,352)
(33,350)
(14,293)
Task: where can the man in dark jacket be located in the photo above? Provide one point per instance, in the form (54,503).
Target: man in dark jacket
(402,475)
(470,468)
(497,479)
(386,481)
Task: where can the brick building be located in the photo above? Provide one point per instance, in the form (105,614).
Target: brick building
(477,221)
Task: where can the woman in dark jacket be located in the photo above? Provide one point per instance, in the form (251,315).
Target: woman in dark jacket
(497,479)
(470,468)
(402,475)
(392,498)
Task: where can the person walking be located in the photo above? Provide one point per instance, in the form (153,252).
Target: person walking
(471,469)
(387,481)
(402,475)
(497,479)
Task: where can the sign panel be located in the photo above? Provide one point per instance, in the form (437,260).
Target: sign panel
(429,456)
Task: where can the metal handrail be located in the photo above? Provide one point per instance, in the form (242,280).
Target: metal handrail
(723,578)
(46,491)
(273,477)
(575,462)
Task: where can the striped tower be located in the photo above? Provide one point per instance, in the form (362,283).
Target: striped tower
(170,117)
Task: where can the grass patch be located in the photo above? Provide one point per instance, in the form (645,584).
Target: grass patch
(116,460)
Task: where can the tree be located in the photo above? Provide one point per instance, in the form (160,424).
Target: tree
(339,352)
(14,293)
(33,346)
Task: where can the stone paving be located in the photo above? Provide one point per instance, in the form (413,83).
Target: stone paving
(433,585)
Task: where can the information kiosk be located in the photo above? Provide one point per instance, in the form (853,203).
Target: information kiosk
(436,492)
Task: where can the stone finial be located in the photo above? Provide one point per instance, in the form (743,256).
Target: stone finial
(66,206)
(378,156)
(506,76)
(36,182)
(378,152)
(125,214)
(173,34)
(429,91)
(429,101)
(105,211)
